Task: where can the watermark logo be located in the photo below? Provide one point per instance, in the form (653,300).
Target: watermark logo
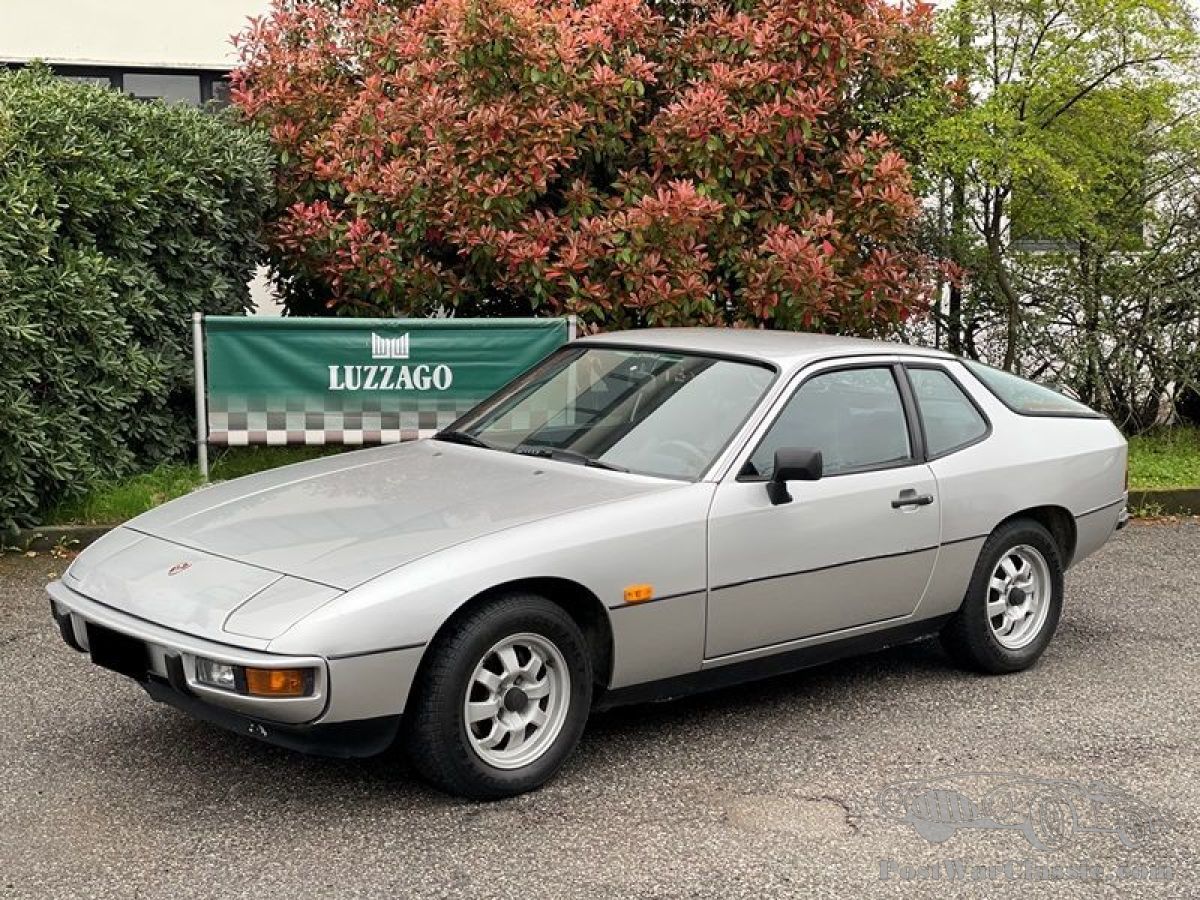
(389,347)
(1047,813)
(1026,870)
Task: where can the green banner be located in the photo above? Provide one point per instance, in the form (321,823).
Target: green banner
(359,381)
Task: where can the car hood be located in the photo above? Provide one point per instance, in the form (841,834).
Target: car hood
(345,519)
(192,591)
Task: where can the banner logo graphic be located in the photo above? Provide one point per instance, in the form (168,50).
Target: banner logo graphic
(389,348)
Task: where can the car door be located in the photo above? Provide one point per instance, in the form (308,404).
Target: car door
(856,546)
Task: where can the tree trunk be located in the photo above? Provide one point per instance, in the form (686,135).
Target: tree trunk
(958,198)
(993,225)
(958,218)
(1089,278)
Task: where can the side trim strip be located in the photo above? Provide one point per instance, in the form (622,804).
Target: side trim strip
(963,540)
(768,666)
(654,600)
(808,637)
(1102,508)
(849,562)
(376,652)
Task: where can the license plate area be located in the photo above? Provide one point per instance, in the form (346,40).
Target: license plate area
(118,652)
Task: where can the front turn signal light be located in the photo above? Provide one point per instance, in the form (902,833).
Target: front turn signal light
(278,682)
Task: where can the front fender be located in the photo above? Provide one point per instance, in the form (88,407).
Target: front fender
(657,539)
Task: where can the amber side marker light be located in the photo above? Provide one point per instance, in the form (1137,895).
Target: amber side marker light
(639,593)
(278,682)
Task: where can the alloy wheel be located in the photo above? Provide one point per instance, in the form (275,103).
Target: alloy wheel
(1018,598)
(517,700)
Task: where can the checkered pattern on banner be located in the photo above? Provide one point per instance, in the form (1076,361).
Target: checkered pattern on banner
(267,420)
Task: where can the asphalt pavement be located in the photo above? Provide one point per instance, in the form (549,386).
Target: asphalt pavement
(765,790)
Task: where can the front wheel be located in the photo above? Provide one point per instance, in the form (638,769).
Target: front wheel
(502,700)
(1012,606)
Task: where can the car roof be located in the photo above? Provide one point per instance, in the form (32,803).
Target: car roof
(783,348)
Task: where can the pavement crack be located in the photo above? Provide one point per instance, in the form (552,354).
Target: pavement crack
(13,638)
(852,819)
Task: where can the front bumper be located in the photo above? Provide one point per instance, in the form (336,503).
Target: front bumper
(170,676)
(358,737)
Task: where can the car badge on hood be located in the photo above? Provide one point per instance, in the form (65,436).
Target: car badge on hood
(179,567)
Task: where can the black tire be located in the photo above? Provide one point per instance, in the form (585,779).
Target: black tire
(436,732)
(968,636)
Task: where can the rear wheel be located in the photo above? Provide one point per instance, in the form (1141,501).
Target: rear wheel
(502,700)
(1012,606)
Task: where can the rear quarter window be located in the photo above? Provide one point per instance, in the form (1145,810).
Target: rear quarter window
(1025,397)
(950,419)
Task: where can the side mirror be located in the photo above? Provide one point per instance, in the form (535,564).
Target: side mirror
(792,464)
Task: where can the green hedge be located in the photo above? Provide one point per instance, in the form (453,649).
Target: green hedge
(117,220)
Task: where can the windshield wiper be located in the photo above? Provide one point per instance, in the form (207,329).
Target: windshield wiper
(571,456)
(461,437)
(601,464)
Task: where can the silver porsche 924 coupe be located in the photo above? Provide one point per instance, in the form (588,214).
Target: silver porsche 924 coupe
(639,516)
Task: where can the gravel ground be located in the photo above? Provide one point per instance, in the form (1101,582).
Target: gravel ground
(768,790)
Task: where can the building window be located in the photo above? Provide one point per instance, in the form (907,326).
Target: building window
(162,86)
(218,92)
(103,81)
(193,88)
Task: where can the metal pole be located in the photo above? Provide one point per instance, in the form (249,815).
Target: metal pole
(201,404)
(572,328)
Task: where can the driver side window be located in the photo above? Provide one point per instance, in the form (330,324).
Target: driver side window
(855,417)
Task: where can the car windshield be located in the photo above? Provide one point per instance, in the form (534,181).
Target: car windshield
(648,411)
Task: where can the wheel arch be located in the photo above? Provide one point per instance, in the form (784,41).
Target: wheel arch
(1057,520)
(576,600)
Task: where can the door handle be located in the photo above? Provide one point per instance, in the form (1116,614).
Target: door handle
(909,497)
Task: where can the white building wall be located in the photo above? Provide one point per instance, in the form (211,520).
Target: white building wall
(108,38)
(157,34)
